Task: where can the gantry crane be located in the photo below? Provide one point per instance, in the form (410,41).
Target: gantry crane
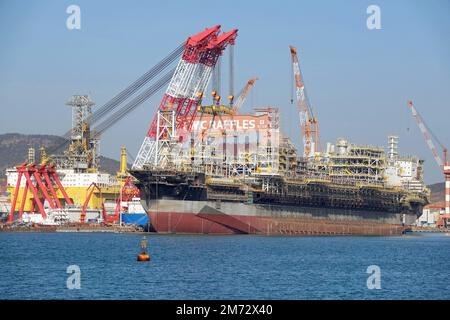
(42,188)
(309,125)
(441,162)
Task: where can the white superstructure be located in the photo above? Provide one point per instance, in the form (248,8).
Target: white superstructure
(69,178)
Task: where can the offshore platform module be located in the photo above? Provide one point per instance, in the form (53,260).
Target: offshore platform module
(207,169)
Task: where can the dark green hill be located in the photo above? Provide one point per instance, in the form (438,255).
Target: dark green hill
(14,150)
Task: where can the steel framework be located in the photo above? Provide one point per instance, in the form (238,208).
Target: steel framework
(39,183)
(186,88)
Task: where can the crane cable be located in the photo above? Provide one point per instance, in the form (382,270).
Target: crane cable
(133,104)
(430,131)
(127,92)
(136,85)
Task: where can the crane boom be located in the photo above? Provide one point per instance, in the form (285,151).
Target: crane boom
(426,134)
(308,123)
(241,99)
(184,93)
(443,164)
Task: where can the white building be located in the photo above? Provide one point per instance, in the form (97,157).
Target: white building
(431,214)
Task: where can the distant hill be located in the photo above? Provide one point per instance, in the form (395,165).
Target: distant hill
(14,150)
(437,192)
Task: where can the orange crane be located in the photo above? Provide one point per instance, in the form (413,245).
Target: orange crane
(241,99)
(90,190)
(443,164)
(217,112)
(309,125)
(127,193)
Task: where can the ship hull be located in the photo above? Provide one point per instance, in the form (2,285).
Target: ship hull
(207,217)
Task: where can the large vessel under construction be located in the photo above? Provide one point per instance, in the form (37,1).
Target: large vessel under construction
(349,189)
(210,170)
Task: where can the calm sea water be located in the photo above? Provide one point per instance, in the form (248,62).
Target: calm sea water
(34,265)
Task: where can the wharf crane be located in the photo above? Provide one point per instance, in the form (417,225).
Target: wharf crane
(90,190)
(443,163)
(309,125)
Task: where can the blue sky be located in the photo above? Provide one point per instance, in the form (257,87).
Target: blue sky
(358,80)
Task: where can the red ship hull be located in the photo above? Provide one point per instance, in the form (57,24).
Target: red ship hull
(201,223)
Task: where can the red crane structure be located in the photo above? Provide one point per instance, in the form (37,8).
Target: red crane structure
(309,125)
(93,186)
(184,94)
(39,183)
(127,192)
(443,164)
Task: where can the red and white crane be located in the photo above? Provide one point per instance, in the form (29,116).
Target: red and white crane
(441,162)
(185,91)
(309,125)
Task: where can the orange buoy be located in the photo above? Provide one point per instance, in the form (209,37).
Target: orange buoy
(143,257)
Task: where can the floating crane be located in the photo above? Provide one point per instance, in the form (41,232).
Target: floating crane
(309,125)
(184,94)
(187,82)
(441,162)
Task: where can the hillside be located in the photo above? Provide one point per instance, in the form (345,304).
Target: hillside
(14,150)
(437,192)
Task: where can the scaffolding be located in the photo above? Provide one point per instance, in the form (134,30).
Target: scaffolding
(245,158)
(268,142)
(288,161)
(225,145)
(363,164)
